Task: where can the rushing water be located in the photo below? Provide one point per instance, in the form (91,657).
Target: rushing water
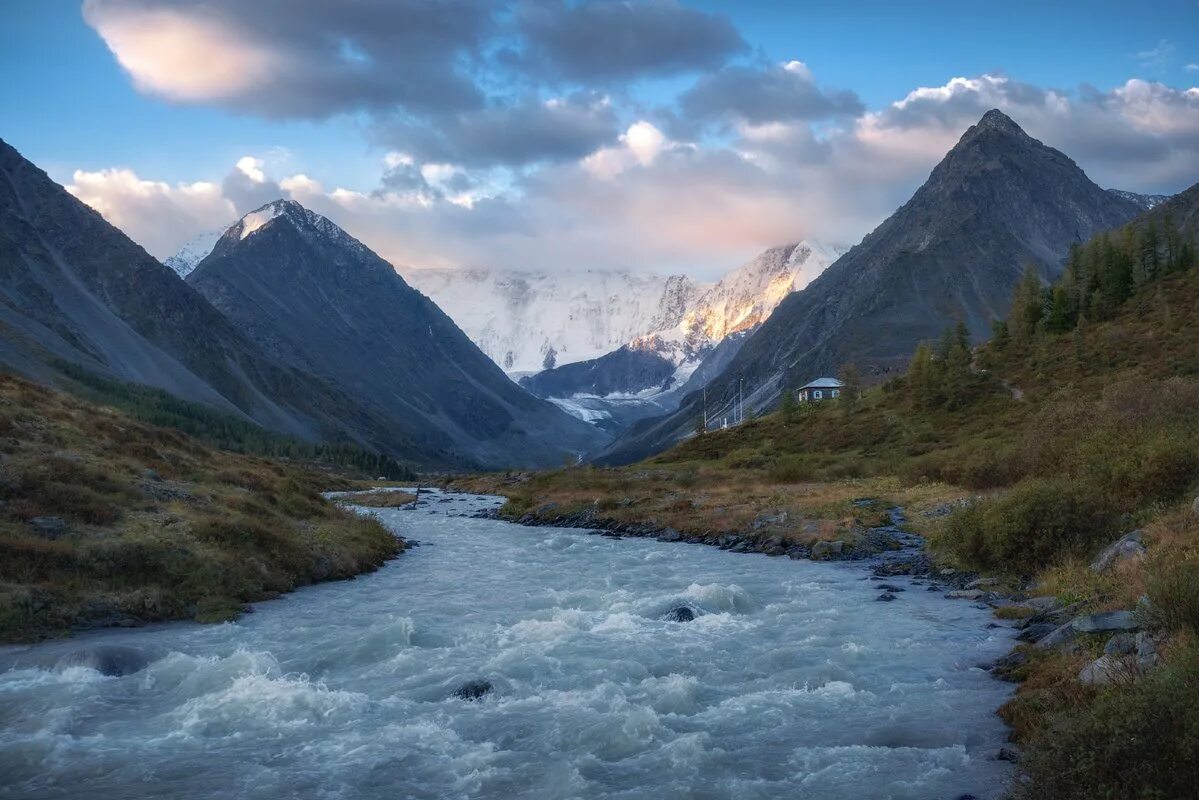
(789,683)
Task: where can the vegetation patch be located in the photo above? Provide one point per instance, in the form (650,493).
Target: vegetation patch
(107,520)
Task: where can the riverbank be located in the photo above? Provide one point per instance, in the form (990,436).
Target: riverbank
(106,521)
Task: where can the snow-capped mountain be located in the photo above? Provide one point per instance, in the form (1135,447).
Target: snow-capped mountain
(194,252)
(741,300)
(651,374)
(531,321)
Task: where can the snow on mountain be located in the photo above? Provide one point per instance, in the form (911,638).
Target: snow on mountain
(194,252)
(740,301)
(1145,201)
(530,321)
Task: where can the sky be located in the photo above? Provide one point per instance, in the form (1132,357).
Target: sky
(648,135)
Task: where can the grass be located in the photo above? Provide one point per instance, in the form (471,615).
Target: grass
(378,499)
(105,519)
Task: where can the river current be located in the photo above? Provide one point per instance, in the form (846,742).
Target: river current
(790,682)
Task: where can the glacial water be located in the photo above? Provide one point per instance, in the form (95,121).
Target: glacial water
(791,682)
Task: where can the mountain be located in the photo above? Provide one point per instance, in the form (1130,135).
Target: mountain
(997,201)
(194,252)
(530,321)
(646,377)
(76,292)
(315,298)
(1145,202)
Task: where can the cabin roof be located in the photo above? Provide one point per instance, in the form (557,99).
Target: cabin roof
(822,383)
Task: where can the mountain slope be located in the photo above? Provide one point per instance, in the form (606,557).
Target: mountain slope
(75,289)
(998,200)
(316,298)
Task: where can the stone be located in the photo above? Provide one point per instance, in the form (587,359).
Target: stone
(1122,644)
(1146,650)
(886,587)
(669,535)
(1009,753)
(1126,548)
(965,594)
(1060,635)
(680,614)
(822,550)
(113,661)
(322,568)
(1036,631)
(978,583)
(1195,505)
(1043,604)
(49,527)
(885,597)
(1107,621)
(947,571)
(473,690)
(1105,670)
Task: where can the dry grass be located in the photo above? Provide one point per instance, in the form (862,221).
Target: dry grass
(105,519)
(377,499)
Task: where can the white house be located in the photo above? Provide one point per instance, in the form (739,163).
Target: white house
(819,389)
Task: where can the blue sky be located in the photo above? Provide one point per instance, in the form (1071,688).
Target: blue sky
(521,134)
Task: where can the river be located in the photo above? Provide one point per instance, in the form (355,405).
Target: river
(790,682)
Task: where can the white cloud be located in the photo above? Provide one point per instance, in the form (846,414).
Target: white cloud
(251,167)
(156,215)
(181,56)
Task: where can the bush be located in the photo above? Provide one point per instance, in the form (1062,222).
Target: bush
(1173,584)
(1034,523)
(790,469)
(1137,740)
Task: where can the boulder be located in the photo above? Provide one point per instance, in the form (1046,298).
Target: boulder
(1127,547)
(1146,651)
(669,535)
(1107,622)
(49,527)
(1043,604)
(1060,635)
(965,594)
(680,614)
(1036,631)
(885,597)
(1009,753)
(1122,644)
(822,550)
(111,660)
(979,583)
(1106,670)
(473,690)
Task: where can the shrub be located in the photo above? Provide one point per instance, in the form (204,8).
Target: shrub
(1173,584)
(790,469)
(1134,740)
(1037,521)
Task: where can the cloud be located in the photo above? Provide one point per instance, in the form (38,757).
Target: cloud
(525,131)
(613,40)
(1192,67)
(772,93)
(298,58)
(158,216)
(246,186)
(1158,57)
(637,195)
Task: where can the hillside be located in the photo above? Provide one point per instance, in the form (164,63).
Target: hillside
(105,520)
(998,200)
